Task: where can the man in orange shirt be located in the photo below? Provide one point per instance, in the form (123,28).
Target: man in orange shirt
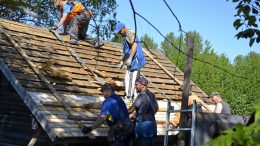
(77,17)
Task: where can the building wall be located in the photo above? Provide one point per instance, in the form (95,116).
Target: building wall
(15,118)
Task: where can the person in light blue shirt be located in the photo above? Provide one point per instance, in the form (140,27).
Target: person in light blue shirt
(77,17)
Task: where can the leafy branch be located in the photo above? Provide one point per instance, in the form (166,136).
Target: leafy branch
(247,21)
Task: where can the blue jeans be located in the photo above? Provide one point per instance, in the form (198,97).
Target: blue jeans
(146,132)
(119,142)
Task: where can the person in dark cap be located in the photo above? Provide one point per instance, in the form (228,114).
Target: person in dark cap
(146,107)
(221,106)
(114,112)
(133,57)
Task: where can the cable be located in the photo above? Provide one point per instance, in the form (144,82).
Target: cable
(180,28)
(96,27)
(181,36)
(187,54)
(146,46)
(132,6)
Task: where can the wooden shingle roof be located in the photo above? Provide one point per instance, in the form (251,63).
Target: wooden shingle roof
(80,87)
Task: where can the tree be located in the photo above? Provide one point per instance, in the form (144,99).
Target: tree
(243,101)
(171,52)
(240,93)
(248,19)
(103,10)
(117,39)
(148,42)
(241,135)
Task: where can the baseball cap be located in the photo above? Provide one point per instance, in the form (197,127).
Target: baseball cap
(142,80)
(214,94)
(118,27)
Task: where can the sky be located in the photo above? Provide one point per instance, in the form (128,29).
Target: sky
(213,19)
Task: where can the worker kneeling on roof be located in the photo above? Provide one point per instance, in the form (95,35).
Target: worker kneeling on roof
(76,16)
(114,112)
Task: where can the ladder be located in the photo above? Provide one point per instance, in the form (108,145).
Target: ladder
(170,109)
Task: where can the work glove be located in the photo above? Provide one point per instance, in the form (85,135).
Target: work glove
(86,129)
(54,27)
(128,62)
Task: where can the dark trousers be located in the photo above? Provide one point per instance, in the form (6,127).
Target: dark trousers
(146,132)
(79,26)
(121,142)
(146,141)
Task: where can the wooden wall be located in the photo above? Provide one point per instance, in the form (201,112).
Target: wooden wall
(15,118)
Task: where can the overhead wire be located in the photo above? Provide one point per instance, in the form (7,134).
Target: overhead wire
(218,67)
(181,36)
(179,48)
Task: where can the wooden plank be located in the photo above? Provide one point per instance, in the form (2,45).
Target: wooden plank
(4,42)
(162,67)
(86,53)
(87,89)
(7,49)
(96,105)
(26,98)
(36,58)
(58,96)
(82,118)
(33,27)
(25,29)
(24,76)
(10,55)
(80,48)
(35,137)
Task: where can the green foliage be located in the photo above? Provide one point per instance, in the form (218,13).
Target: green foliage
(148,42)
(117,39)
(248,19)
(103,10)
(240,93)
(172,53)
(242,135)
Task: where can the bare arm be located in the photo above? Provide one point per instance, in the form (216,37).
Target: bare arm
(218,108)
(131,109)
(100,120)
(63,20)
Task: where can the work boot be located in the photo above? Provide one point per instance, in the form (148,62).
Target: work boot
(97,43)
(73,42)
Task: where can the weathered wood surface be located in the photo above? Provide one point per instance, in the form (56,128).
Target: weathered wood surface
(15,118)
(42,45)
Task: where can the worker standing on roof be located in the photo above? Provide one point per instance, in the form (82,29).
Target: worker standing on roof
(133,57)
(114,112)
(77,17)
(146,107)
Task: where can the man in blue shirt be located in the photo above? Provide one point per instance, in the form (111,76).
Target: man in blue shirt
(114,112)
(146,107)
(133,57)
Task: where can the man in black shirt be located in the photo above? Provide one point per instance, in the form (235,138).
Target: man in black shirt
(146,107)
